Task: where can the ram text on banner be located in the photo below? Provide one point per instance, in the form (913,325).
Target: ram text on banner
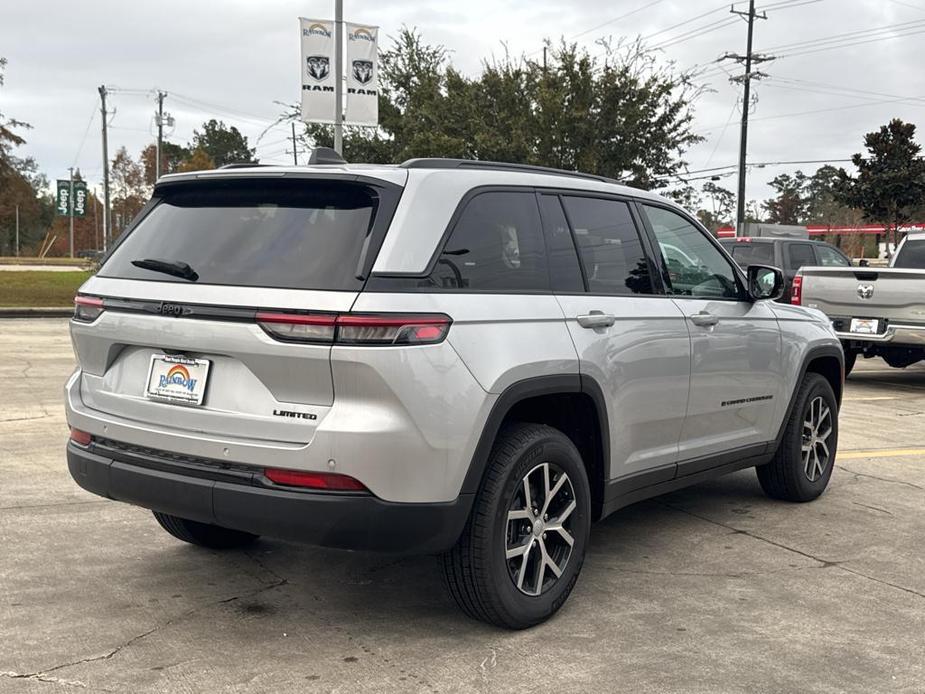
(362,75)
(318,78)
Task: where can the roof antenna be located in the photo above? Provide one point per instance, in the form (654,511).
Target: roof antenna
(325,155)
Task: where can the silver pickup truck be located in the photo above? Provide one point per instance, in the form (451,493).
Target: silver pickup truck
(876,312)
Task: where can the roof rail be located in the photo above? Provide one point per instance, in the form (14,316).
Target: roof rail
(241,165)
(437,163)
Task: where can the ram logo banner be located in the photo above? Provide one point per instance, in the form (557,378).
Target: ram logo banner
(362,97)
(318,79)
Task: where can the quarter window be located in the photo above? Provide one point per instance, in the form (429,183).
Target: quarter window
(611,252)
(497,245)
(695,266)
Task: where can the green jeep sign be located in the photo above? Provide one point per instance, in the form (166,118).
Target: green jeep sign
(63,200)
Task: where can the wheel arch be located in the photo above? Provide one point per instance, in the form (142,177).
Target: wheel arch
(826,360)
(571,403)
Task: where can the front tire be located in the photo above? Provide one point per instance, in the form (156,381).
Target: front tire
(524,544)
(803,463)
(203,534)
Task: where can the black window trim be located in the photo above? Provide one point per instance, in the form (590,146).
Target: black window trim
(650,232)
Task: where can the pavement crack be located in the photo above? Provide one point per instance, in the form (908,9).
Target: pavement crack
(880,479)
(825,563)
(872,508)
(41,677)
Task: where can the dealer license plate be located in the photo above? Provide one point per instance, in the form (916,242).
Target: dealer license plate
(865,326)
(177,379)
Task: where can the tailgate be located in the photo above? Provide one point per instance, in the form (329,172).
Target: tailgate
(177,344)
(896,295)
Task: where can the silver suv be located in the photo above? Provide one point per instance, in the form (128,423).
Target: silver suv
(445,356)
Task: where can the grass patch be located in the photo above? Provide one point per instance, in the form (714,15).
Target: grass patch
(39,288)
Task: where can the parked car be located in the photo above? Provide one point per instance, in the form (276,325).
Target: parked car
(445,356)
(877,312)
(789,254)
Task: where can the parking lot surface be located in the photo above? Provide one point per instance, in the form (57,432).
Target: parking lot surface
(711,589)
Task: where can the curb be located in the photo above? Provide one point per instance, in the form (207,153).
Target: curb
(34,312)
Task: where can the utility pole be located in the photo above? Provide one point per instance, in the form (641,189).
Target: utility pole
(160,133)
(295,152)
(106,220)
(747,60)
(338,76)
(70,204)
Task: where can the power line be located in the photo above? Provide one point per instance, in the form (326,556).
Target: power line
(615,19)
(86,132)
(848,35)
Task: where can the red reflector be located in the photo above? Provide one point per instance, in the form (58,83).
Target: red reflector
(314,480)
(80,437)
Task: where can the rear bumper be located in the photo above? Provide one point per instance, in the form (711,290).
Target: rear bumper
(895,334)
(329,519)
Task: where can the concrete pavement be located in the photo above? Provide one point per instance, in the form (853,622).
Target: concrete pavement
(711,589)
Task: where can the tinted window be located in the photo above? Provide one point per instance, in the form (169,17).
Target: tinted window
(747,253)
(801,255)
(831,257)
(564,271)
(695,266)
(497,244)
(291,234)
(912,255)
(609,245)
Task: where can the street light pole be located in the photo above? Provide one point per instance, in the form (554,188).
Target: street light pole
(338,77)
(70,204)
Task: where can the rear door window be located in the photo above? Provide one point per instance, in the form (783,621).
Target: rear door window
(800,255)
(831,258)
(564,269)
(293,234)
(609,245)
(496,245)
(912,255)
(748,253)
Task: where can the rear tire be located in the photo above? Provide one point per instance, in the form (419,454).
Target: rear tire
(203,534)
(524,543)
(803,463)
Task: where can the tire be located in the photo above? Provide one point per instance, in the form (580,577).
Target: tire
(203,534)
(850,358)
(789,476)
(479,574)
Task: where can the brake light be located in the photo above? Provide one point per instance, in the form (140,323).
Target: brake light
(314,480)
(796,291)
(80,437)
(87,308)
(356,328)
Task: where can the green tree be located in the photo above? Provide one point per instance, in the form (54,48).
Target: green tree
(621,115)
(890,184)
(222,144)
(172,155)
(790,204)
(721,209)
(129,192)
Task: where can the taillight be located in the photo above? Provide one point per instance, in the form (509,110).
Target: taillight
(796,291)
(87,308)
(314,480)
(356,328)
(80,437)
(298,327)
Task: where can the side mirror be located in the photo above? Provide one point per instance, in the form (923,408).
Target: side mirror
(863,262)
(765,282)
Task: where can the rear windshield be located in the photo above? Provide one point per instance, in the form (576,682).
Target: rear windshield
(293,234)
(911,255)
(747,254)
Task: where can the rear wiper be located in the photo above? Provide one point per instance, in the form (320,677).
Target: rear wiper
(177,268)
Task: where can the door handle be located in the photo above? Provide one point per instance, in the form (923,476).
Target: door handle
(596,319)
(704,319)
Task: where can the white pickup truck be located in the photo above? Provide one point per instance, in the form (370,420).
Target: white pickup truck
(877,312)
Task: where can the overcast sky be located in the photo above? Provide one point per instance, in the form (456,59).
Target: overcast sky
(232,59)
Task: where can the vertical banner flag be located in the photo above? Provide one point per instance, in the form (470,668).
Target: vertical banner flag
(318,78)
(362,68)
(63,198)
(80,199)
